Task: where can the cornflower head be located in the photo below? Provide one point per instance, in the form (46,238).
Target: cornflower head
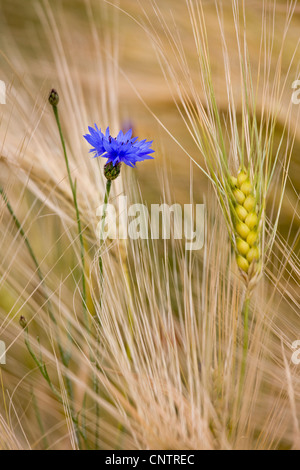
(121,149)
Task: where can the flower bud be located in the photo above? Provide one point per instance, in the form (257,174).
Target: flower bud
(53,98)
(23,322)
(111,172)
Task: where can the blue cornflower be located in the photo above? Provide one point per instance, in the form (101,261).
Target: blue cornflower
(120,149)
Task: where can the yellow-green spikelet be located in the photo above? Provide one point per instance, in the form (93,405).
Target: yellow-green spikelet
(246,221)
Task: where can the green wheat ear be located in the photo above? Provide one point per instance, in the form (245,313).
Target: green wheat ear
(246,223)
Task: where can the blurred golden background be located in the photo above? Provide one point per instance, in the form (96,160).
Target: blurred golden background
(100,57)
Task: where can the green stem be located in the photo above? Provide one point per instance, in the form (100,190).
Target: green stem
(22,233)
(79,227)
(39,421)
(43,369)
(245,343)
(106,197)
(74,194)
(96,391)
(107,192)
(95,381)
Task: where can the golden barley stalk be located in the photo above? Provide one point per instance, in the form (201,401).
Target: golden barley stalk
(246,221)
(240,158)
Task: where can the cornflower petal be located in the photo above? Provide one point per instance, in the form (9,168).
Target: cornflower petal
(120,149)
